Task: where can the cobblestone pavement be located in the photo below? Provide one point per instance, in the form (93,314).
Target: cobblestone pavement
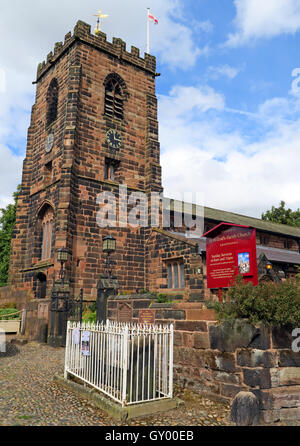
(30,397)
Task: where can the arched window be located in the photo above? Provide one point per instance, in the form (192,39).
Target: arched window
(47,218)
(115,94)
(52,102)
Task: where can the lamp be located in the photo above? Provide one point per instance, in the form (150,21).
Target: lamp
(269,266)
(108,246)
(62,257)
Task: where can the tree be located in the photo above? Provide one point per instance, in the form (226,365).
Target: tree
(282,215)
(7,223)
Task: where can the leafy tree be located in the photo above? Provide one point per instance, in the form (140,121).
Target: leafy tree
(7,222)
(282,215)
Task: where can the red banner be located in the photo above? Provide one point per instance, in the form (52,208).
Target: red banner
(230,251)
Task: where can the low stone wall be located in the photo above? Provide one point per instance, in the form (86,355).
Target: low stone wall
(224,359)
(221,360)
(15,296)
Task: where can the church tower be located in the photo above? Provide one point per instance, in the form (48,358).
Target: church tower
(93,128)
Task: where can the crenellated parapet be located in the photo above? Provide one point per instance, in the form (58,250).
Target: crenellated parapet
(117,48)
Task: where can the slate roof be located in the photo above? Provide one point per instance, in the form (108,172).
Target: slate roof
(230,217)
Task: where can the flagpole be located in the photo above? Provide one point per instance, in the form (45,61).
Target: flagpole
(148,31)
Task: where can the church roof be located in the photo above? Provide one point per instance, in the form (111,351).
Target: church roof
(218,215)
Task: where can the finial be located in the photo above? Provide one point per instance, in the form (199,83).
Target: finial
(100,16)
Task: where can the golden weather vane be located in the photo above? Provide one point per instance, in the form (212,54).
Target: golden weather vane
(100,16)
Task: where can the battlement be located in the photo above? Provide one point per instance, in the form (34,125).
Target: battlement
(82,32)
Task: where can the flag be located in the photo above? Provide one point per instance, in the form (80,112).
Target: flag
(151,17)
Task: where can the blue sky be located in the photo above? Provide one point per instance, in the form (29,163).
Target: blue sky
(229,112)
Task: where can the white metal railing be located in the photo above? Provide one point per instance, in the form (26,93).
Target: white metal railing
(130,363)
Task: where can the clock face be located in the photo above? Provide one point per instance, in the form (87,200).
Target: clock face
(114,139)
(49,142)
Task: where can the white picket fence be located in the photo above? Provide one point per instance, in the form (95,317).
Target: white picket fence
(130,363)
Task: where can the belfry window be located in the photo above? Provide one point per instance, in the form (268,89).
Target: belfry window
(52,102)
(114,96)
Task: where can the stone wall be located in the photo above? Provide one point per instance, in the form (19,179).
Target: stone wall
(221,360)
(18,297)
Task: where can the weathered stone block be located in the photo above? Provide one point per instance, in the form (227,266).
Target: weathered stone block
(257,378)
(191,325)
(272,416)
(231,335)
(288,358)
(177,338)
(257,358)
(227,378)
(173,314)
(286,376)
(230,390)
(225,361)
(282,338)
(201,315)
(281,397)
(201,340)
(263,339)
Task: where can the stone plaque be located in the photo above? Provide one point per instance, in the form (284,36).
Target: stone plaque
(124,312)
(43,311)
(147,316)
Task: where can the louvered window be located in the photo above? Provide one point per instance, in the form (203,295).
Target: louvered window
(113,99)
(52,102)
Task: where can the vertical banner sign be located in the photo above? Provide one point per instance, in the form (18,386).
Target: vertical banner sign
(85,343)
(230,251)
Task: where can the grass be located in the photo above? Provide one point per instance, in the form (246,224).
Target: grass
(5,314)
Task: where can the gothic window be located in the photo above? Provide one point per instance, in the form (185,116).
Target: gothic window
(175,270)
(52,102)
(115,95)
(47,234)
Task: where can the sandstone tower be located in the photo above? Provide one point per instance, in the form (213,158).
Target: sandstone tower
(93,127)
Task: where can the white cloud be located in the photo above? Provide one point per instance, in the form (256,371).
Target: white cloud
(190,99)
(202,156)
(223,70)
(10,174)
(256,19)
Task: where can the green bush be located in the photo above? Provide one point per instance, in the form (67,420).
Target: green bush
(89,316)
(271,303)
(163,299)
(5,313)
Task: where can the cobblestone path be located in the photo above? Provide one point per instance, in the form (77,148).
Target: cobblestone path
(29,397)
